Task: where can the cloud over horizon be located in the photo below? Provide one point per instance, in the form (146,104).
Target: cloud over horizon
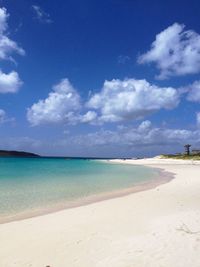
(142,135)
(129,140)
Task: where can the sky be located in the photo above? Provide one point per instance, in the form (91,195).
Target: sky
(111,78)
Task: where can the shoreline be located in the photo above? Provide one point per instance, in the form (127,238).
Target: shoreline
(162,177)
(156,227)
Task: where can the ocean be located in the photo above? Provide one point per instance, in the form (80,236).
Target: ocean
(31,186)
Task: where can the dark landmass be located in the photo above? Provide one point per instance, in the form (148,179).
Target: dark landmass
(6,153)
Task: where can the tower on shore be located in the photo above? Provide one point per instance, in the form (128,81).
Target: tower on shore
(187,149)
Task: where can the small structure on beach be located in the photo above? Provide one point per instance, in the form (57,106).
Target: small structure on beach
(187,149)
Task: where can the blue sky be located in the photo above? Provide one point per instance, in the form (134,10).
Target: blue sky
(99,78)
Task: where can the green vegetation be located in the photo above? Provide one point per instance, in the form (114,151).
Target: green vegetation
(181,156)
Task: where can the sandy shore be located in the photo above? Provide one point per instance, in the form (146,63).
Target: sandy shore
(154,228)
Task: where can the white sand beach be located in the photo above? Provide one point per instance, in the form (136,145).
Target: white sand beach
(159,227)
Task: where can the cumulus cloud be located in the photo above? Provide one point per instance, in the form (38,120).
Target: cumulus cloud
(175,52)
(60,106)
(41,15)
(88,117)
(144,126)
(9,83)
(117,101)
(7,46)
(131,99)
(193,92)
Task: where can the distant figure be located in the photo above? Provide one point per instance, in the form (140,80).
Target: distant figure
(187,149)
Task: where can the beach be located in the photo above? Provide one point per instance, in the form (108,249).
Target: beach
(155,227)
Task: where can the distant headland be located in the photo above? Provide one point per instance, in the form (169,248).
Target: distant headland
(12,153)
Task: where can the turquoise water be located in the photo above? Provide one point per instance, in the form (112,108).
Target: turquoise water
(30,184)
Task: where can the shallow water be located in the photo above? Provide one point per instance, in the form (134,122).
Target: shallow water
(29,184)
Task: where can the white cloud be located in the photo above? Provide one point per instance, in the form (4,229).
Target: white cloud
(3,20)
(60,106)
(9,83)
(131,99)
(193,92)
(7,46)
(142,140)
(175,52)
(2,116)
(117,101)
(41,15)
(90,116)
(144,135)
(144,126)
